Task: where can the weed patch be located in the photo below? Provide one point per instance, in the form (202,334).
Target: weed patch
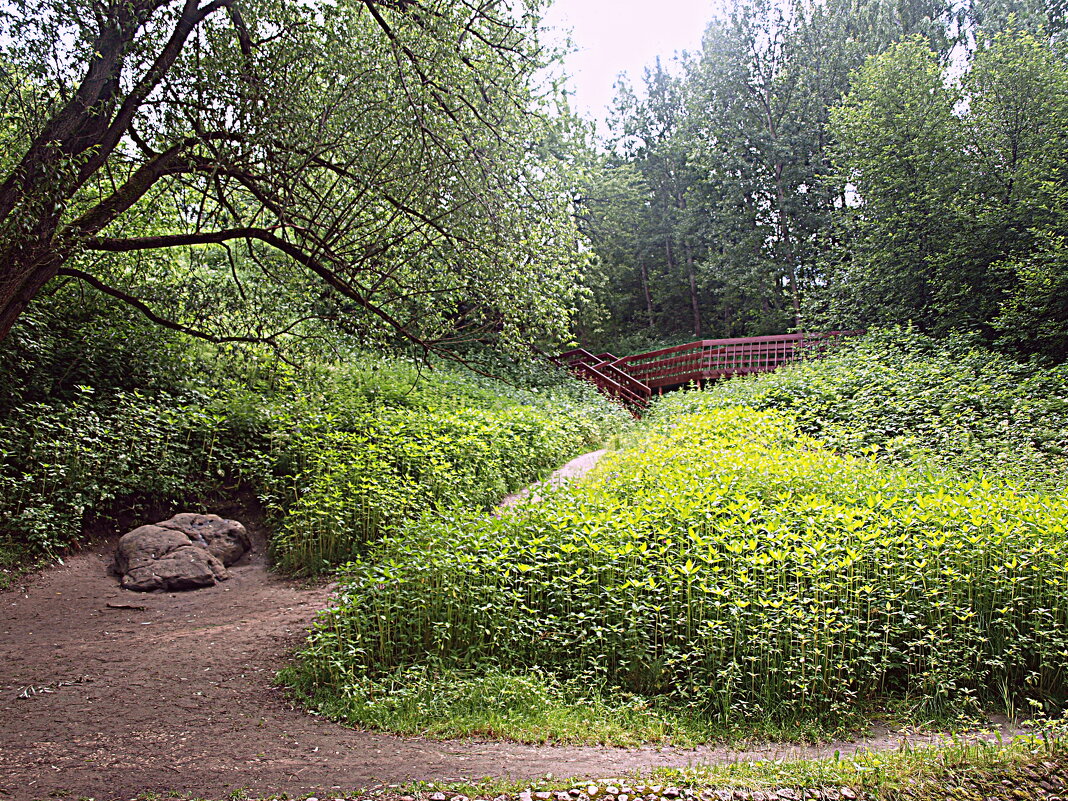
(735,570)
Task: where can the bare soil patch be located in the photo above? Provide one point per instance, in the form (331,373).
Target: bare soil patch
(110,694)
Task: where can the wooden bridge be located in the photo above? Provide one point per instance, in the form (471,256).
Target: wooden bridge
(633,379)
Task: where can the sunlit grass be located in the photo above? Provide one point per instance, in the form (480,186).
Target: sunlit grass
(734,572)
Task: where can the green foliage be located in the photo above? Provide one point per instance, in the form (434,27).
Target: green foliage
(736,570)
(960,191)
(63,465)
(720,208)
(72,338)
(531,706)
(911,399)
(339,453)
(398,186)
(96,418)
(357,483)
(837,165)
(898,142)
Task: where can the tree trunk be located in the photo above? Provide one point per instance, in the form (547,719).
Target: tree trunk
(788,250)
(648,294)
(693,292)
(21,281)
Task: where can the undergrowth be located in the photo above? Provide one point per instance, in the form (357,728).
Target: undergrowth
(723,567)
(909,399)
(383,443)
(340,452)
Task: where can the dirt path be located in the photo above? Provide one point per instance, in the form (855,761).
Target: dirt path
(112,702)
(576,468)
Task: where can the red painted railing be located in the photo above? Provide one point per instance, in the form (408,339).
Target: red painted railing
(632,378)
(710,359)
(607,376)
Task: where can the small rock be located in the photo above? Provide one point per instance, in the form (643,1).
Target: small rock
(611,789)
(437,797)
(672,792)
(848,793)
(593,791)
(543,796)
(788,794)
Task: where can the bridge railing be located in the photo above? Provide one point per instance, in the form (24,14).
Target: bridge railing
(717,358)
(602,371)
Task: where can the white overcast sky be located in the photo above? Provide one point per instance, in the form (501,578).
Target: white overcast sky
(614,36)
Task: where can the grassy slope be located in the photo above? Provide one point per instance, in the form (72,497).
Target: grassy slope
(722,575)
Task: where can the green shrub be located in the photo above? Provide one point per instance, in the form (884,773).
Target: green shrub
(735,569)
(356,485)
(912,399)
(338,452)
(62,464)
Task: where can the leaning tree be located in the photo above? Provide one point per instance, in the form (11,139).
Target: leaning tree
(234,168)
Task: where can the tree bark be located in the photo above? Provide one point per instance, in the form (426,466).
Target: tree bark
(26,271)
(693,291)
(788,250)
(648,294)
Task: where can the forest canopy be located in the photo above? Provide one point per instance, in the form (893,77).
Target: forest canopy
(838,165)
(247,171)
(404,171)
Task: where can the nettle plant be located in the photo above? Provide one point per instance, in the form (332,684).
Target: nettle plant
(63,466)
(731,568)
(910,399)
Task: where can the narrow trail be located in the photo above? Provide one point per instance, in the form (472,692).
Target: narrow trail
(576,468)
(101,698)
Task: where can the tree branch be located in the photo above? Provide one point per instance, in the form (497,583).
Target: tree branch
(147,311)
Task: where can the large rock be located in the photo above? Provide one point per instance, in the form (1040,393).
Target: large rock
(183,553)
(226,540)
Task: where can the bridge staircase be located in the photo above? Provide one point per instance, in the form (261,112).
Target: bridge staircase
(634,379)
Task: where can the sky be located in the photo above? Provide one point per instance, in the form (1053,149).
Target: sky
(614,36)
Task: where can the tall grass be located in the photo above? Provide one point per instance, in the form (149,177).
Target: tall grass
(731,568)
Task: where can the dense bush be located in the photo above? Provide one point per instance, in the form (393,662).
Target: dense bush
(64,464)
(101,414)
(733,568)
(96,417)
(913,399)
(371,455)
